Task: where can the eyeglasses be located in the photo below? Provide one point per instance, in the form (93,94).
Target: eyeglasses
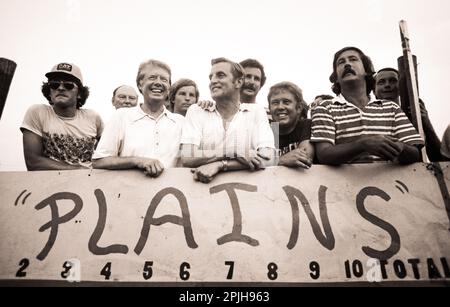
(54,85)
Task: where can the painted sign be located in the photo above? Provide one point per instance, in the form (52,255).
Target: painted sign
(353,223)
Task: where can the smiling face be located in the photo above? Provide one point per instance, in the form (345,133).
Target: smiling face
(154,84)
(284,109)
(222,83)
(184,98)
(386,85)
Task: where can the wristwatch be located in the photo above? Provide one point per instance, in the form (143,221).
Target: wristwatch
(224,167)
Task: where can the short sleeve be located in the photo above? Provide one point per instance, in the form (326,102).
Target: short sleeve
(323,128)
(192,129)
(264,133)
(404,131)
(111,138)
(34,119)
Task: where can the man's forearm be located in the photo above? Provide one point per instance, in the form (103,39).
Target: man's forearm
(338,154)
(115,163)
(194,157)
(410,154)
(44,163)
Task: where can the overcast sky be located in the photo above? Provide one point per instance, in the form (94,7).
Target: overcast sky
(294,39)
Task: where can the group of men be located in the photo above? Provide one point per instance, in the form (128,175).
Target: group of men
(173,128)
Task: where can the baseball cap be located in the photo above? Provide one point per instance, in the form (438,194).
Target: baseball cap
(66,68)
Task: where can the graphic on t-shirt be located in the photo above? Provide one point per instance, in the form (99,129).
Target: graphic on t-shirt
(292,146)
(67,148)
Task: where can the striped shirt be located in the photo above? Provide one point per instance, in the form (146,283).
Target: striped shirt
(338,121)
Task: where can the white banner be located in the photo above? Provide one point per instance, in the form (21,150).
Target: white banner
(353,223)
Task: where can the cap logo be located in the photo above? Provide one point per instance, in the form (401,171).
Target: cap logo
(64,66)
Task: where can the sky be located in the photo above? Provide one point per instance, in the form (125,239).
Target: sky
(295,40)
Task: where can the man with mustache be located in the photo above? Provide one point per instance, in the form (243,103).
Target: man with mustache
(254,79)
(233,136)
(387,87)
(146,137)
(353,127)
(62,135)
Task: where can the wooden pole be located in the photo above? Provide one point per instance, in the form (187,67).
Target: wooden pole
(7,69)
(411,84)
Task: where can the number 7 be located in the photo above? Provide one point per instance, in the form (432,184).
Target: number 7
(230,271)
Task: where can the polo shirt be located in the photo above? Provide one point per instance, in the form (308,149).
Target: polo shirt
(133,133)
(248,130)
(338,121)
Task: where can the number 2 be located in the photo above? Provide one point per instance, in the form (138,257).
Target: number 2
(24,263)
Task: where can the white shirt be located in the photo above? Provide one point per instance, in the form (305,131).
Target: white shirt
(133,133)
(248,130)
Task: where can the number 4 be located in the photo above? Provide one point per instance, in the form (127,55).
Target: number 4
(106,271)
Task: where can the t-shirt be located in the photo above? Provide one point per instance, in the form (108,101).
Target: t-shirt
(66,139)
(291,141)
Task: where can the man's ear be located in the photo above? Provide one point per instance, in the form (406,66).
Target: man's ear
(239,82)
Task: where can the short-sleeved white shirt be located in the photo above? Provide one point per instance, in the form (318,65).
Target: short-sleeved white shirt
(248,130)
(133,133)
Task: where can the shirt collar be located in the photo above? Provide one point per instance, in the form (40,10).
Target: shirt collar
(340,99)
(244,107)
(140,114)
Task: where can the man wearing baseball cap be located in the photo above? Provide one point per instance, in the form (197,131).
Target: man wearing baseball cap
(62,135)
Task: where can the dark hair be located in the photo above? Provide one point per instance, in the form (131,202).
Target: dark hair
(255,64)
(368,67)
(236,69)
(179,84)
(83,91)
(386,69)
(294,90)
(324,97)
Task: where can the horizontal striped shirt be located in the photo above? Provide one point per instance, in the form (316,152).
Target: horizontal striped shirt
(338,121)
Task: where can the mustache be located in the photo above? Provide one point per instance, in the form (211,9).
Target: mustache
(249,86)
(348,70)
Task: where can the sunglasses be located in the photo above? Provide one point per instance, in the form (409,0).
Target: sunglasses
(54,85)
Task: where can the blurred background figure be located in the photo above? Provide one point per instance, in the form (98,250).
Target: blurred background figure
(124,97)
(182,95)
(387,87)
